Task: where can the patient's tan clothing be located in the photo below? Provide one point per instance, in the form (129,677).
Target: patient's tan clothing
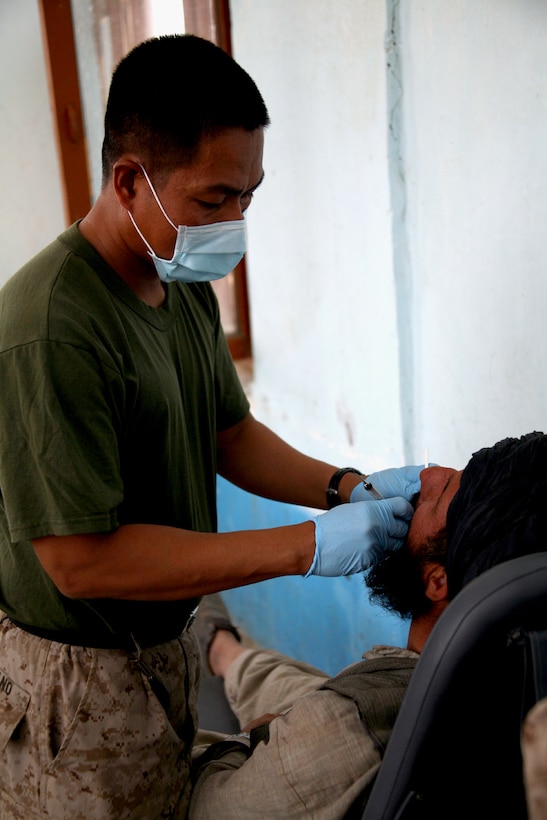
(534,754)
(260,681)
(319,757)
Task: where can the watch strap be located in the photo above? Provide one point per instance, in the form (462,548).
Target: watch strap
(333,497)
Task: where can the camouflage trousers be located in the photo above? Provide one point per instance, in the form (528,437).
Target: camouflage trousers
(84,736)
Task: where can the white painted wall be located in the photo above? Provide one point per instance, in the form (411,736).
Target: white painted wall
(360,260)
(31,206)
(322,289)
(475,120)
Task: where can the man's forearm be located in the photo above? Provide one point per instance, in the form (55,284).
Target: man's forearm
(148,562)
(255,458)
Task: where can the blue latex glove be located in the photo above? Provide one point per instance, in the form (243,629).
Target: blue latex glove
(352,537)
(396,481)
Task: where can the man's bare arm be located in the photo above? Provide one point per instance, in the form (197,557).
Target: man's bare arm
(155,562)
(253,457)
(149,562)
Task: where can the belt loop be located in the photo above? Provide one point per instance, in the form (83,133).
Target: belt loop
(191,618)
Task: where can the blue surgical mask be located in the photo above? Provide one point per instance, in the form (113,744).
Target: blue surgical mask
(202,252)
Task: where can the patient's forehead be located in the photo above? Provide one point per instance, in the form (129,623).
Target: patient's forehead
(439,486)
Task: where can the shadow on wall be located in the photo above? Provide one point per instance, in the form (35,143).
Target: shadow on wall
(327,622)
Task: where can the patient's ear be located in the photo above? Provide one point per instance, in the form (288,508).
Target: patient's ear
(436,587)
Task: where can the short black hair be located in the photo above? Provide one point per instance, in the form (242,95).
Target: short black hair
(168,93)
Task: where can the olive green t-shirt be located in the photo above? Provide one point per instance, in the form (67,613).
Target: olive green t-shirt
(109,410)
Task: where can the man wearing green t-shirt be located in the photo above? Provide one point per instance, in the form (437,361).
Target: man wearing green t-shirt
(119,404)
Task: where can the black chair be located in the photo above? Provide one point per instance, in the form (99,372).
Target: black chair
(455,747)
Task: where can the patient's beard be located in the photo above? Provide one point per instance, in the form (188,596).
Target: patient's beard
(395,583)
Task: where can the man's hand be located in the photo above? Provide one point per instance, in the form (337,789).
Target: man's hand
(353,537)
(396,481)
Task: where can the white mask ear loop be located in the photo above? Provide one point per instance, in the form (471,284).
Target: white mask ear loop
(148,245)
(156,197)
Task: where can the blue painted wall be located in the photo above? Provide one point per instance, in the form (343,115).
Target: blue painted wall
(327,622)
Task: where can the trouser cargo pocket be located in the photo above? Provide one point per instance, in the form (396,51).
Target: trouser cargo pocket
(14,703)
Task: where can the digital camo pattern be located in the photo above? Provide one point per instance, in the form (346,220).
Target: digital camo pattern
(83,736)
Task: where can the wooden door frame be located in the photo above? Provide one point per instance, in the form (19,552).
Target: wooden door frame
(64,92)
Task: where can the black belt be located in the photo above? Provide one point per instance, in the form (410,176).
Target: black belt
(127,642)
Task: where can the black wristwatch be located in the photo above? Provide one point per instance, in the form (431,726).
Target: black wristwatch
(333,497)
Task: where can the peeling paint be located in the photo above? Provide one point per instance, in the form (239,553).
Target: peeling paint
(347,420)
